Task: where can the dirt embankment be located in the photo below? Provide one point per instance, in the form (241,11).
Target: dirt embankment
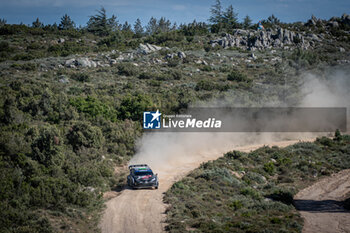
(321,204)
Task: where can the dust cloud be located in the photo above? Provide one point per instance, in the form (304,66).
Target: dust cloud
(167,150)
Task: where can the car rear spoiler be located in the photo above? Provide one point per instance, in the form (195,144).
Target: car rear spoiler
(137,165)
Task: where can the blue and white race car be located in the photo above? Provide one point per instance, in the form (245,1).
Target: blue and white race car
(141,176)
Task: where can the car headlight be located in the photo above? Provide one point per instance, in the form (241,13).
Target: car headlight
(153,179)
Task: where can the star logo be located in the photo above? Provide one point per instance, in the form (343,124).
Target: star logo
(156,115)
(151,120)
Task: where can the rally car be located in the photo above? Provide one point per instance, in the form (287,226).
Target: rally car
(141,176)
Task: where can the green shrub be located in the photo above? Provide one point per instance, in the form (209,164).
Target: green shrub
(238,77)
(206,68)
(132,107)
(145,75)
(325,141)
(83,134)
(25,66)
(177,75)
(67,48)
(45,148)
(205,85)
(236,204)
(94,108)
(234,154)
(282,195)
(81,77)
(127,69)
(174,62)
(250,192)
(269,168)
(23,56)
(5,47)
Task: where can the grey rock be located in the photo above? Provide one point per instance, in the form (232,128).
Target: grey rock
(314,37)
(170,56)
(61,40)
(312,22)
(85,62)
(148,48)
(112,61)
(70,62)
(333,24)
(63,79)
(262,39)
(203,62)
(181,55)
(341,49)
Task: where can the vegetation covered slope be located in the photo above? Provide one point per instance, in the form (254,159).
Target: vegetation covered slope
(253,192)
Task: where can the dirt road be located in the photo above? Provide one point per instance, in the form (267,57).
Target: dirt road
(143,210)
(320,205)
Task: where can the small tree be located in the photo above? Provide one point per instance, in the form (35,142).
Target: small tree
(100,25)
(164,25)
(247,22)
(138,29)
(152,26)
(126,30)
(230,19)
(273,20)
(37,23)
(216,13)
(126,26)
(66,23)
(2,22)
(337,136)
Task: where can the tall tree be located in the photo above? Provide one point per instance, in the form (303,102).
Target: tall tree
(138,29)
(37,24)
(174,27)
(66,23)
(127,31)
(247,22)
(152,26)
(100,25)
(126,26)
(216,13)
(229,18)
(2,22)
(164,25)
(273,20)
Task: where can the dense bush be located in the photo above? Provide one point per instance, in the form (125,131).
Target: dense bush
(94,108)
(127,69)
(81,77)
(132,107)
(84,135)
(238,77)
(242,193)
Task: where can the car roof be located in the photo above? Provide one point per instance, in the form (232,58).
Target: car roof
(140,167)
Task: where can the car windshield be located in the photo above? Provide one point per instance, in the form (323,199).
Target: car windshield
(143,173)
